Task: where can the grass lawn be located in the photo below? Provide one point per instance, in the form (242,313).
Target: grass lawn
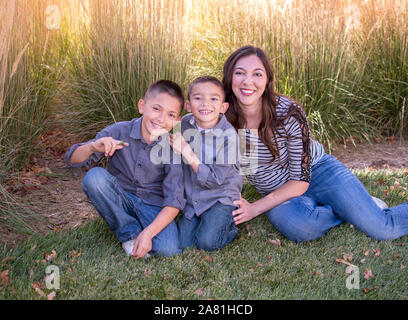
(92,264)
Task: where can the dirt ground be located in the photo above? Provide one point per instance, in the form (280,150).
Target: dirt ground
(56,189)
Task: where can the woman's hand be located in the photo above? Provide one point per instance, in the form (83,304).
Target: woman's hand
(108,145)
(244,213)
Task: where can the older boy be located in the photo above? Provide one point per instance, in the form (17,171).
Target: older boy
(138,199)
(211,174)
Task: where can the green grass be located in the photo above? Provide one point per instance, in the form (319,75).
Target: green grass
(250,267)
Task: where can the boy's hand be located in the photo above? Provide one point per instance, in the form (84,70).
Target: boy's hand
(143,244)
(178,143)
(108,145)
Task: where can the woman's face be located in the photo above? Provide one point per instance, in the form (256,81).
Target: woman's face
(249,80)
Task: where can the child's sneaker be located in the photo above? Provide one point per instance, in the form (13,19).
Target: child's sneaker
(380,203)
(128,247)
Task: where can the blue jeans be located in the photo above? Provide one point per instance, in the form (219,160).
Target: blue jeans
(126,214)
(335,195)
(212,230)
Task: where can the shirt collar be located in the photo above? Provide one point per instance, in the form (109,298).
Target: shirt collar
(219,125)
(136,133)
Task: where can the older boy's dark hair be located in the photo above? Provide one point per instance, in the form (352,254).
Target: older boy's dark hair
(203,79)
(166,86)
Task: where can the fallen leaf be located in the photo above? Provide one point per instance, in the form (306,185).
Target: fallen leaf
(347,256)
(207,258)
(376,252)
(367,252)
(344,262)
(73,255)
(248,228)
(4,277)
(49,278)
(199,291)
(276,241)
(51,295)
(368,274)
(397,255)
(37,287)
(366,290)
(146,273)
(50,256)
(349,270)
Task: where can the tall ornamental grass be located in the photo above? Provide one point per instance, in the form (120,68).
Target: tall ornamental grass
(346,62)
(27,81)
(115,52)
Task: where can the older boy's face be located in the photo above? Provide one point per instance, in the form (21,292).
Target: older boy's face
(206,103)
(160,113)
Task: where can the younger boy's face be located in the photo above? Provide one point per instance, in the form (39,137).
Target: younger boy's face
(206,104)
(160,113)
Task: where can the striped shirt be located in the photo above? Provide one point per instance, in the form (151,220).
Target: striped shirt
(298,152)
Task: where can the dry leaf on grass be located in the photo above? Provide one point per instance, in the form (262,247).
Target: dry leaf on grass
(275,241)
(199,291)
(368,274)
(38,288)
(366,290)
(348,256)
(51,295)
(4,277)
(50,256)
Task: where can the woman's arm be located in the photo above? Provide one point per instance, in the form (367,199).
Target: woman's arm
(247,211)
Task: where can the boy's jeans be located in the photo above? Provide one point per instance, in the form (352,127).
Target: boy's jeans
(126,214)
(335,195)
(212,230)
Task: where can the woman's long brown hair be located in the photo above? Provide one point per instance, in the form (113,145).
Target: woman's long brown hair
(270,121)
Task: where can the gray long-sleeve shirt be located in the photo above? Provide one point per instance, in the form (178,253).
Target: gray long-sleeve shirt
(159,184)
(218,177)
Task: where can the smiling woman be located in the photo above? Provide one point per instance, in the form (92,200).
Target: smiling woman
(305,192)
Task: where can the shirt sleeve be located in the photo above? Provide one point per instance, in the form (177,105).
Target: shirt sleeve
(173,187)
(96,156)
(298,134)
(213,175)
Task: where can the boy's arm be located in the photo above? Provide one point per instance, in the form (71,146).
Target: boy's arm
(108,145)
(143,243)
(208,176)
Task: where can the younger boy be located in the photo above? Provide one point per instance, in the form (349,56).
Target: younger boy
(211,176)
(138,199)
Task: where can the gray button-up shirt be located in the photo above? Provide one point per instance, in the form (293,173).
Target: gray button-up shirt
(218,177)
(156,184)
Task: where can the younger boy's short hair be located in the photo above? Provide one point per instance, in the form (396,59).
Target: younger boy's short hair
(203,79)
(166,86)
